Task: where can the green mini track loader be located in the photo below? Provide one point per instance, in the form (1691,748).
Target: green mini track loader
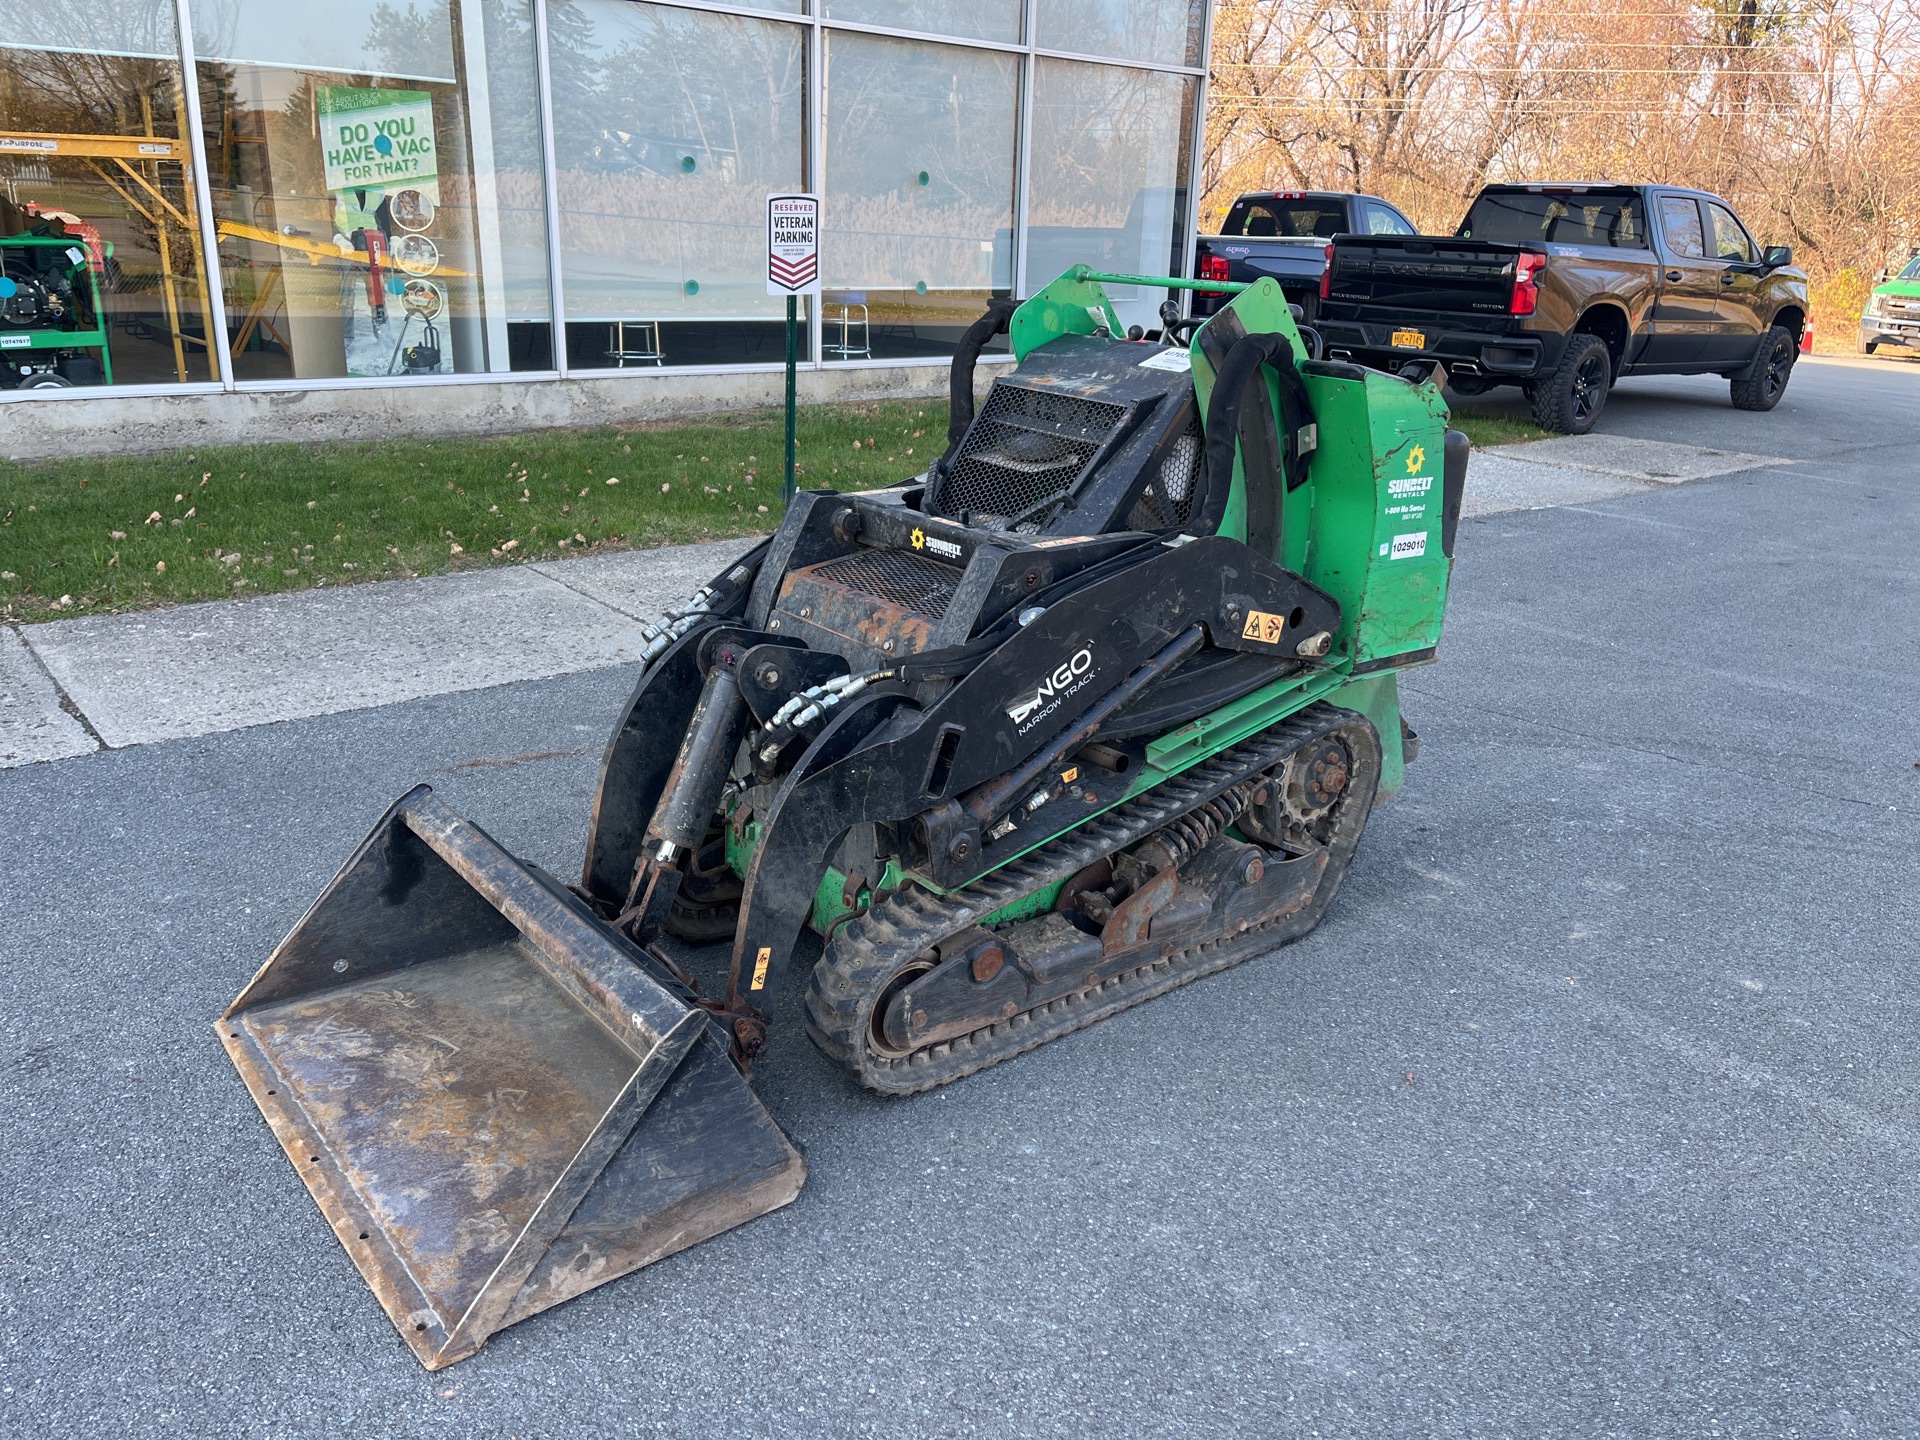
(1098,705)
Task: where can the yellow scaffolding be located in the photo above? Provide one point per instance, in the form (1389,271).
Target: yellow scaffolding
(131,169)
(114,159)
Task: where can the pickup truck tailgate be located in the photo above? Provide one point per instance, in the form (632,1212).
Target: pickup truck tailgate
(1408,273)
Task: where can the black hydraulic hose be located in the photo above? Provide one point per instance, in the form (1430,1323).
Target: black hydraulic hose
(1237,374)
(960,378)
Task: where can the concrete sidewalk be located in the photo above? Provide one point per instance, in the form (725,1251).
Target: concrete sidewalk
(70,687)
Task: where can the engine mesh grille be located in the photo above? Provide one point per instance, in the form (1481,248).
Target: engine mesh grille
(914,583)
(1026,452)
(1167,501)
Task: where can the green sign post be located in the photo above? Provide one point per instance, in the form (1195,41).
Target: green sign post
(793,270)
(793,365)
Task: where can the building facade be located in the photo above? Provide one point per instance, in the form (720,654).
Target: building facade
(216,196)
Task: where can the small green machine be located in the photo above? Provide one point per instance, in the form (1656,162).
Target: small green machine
(53,328)
(1098,705)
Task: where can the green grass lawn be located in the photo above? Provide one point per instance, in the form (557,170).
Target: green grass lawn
(130,532)
(125,533)
(1486,429)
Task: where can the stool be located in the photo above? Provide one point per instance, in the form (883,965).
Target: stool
(851,323)
(647,346)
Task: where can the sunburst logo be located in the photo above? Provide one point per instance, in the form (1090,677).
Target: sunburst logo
(1416,460)
(919,538)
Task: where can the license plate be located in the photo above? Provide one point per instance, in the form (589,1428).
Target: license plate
(1409,339)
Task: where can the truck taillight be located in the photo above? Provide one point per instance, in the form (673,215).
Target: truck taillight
(1526,283)
(1326,275)
(1213,267)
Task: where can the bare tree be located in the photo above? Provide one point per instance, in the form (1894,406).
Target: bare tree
(1802,112)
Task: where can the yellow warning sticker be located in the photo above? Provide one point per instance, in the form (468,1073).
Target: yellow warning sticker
(1068,776)
(1263,627)
(760,963)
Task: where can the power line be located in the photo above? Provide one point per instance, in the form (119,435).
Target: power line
(1685,13)
(1479,64)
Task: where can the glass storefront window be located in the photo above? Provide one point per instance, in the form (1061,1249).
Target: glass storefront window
(917,222)
(1161,32)
(1092,123)
(100,268)
(379,205)
(371,178)
(966,19)
(671,127)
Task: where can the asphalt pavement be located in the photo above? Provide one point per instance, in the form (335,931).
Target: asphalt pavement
(1590,1110)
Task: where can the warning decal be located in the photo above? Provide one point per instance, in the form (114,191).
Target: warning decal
(1263,627)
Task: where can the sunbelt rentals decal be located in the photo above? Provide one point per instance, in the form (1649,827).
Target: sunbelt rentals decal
(945,549)
(1410,491)
(1070,677)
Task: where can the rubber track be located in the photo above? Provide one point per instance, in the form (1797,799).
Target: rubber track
(870,949)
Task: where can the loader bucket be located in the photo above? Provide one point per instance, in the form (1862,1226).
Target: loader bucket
(494,1104)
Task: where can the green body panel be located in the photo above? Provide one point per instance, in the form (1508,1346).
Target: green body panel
(830,905)
(1230,724)
(830,902)
(1027,906)
(742,841)
(1069,306)
(1378,484)
(1366,528)
(1378,698)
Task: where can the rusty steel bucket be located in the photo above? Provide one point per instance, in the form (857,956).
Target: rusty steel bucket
(493,1102)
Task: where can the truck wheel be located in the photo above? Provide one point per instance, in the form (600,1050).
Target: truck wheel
(1761,384)
(1569,399)
(1867,347)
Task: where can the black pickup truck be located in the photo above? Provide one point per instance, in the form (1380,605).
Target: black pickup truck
(1562,289)
(1284,233)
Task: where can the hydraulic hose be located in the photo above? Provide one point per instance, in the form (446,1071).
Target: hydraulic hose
(1237,374)
(965,359)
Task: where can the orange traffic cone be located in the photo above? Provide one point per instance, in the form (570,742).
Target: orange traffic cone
(1806,339)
